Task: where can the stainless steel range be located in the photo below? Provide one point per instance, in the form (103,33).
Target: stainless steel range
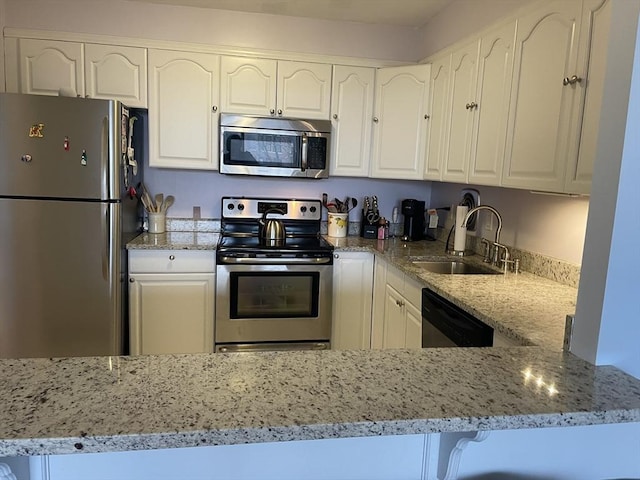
(274,276)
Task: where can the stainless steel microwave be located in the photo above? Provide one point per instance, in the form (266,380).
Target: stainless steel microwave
(278,147)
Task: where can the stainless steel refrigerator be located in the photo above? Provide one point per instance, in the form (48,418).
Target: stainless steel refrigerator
(68,173)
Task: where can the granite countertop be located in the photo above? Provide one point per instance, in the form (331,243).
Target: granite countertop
(102,404)
(528,308)
(175,241)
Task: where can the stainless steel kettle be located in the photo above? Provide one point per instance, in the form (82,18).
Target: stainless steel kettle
(272,230)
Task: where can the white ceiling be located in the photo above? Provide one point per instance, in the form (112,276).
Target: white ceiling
(407,13)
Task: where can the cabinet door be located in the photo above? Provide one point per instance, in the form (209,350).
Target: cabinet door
(400,122)
(593,45)
(495,69)
(438,117)
(379,303)
(351,110)
(46,66)
(248,85)
(413,329)
(395,327)
(542,126)
(171,313)
(463,109)
(183,109)
(119,73)
(352,295)
(304,90)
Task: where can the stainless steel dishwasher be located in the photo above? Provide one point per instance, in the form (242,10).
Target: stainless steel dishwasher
(447,325)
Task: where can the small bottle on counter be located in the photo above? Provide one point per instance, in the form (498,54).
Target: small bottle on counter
(383,229)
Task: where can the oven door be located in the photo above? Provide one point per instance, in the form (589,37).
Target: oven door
(273,303)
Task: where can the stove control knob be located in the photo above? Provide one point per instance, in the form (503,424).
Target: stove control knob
(312,209)
(230,206)
(240,207)
(303,209)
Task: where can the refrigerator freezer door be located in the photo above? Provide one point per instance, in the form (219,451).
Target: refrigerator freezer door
(60,147)
(61,284)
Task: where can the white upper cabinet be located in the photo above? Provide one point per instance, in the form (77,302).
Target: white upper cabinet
(400,122)
(116,72)
(351,111)
(304,90)
(45,67)
(596,29)
(495,69)
(248,85)
(271,87)
(438,117)
(543,117)
(183,109)
(462,112)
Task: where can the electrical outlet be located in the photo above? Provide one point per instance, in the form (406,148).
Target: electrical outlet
(196,213)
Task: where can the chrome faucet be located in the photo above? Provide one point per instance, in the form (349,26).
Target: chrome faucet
(495,258)
(491,209)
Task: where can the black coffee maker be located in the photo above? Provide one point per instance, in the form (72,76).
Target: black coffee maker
(413,212)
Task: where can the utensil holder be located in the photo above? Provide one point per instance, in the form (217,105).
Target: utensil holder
(157,222)
(337,224)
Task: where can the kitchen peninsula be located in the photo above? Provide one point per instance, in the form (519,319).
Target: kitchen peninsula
(144,403)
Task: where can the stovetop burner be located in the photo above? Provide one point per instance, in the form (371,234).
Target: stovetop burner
(290,244)
(241,230)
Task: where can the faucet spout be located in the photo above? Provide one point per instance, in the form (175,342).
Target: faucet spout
(491,209)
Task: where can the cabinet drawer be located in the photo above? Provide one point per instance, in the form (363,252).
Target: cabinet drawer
(172,261)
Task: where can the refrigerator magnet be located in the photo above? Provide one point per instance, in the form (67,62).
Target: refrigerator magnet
(83,158)
(36,130)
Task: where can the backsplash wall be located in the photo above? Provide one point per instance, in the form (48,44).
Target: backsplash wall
(553,226)
(205,189)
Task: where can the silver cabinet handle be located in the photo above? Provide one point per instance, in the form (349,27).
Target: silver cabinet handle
(214,108)
(399,303)
(132,280)
(471,106)
(272,111)
(571,81)
(279,111)
(427,117)
(375,119)
(335,255)
(172,257)
(335,116)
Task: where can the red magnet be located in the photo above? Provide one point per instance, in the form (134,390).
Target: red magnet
(66,144)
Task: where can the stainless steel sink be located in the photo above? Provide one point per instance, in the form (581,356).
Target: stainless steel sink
(454,267)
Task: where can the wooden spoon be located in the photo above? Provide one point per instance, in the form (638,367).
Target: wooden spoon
(167,203)
(159,200)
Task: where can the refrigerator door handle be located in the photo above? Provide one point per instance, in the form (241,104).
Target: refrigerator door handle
(108,235)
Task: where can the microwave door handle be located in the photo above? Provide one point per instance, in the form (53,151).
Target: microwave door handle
(305,143)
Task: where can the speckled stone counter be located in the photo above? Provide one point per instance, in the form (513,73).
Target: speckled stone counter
(527,308)
(101,404)
(175,241)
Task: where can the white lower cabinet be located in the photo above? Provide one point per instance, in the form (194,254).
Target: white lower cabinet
(171,301)
(352,296)
(397,317)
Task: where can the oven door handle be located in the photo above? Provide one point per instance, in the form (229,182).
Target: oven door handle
(274,260)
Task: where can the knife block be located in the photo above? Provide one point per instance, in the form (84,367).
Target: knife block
(368,230)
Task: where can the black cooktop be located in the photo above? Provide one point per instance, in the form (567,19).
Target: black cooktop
(254,244)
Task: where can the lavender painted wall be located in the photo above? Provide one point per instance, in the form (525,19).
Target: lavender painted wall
(550,225)
(205,189)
